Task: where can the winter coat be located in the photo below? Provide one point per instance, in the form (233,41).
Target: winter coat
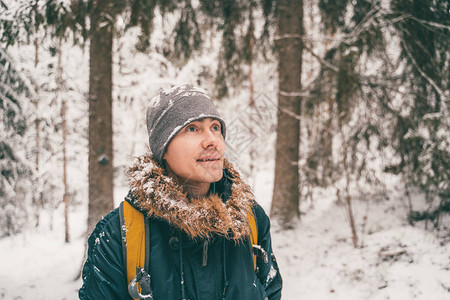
(221,268)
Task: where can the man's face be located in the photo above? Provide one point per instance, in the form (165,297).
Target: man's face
(195,154)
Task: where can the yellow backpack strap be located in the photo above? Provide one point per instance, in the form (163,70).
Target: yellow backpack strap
(253,234)
(135,231)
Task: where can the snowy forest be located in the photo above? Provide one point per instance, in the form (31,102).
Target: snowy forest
(337,116)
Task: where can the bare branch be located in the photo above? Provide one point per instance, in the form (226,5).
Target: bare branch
(293,94)
(287,36)
(441,93)
(321,60)
(433,24)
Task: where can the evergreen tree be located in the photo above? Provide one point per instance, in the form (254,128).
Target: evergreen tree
(15,168)
(24,22)
(421,132)
(286,197)
(366,85)
(101,200)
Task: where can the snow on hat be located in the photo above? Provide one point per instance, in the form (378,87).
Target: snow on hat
(172,110)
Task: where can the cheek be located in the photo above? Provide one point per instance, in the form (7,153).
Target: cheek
(221,144)
(179,152)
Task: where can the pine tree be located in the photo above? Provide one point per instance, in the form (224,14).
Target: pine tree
(101,200)
(22,23)
(408,91)
(286,197)
(15,168)
(421,133)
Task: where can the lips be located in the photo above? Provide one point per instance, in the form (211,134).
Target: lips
(207,159)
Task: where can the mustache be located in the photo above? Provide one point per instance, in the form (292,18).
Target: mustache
(211,153)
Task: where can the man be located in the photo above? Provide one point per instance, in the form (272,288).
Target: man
(198,241)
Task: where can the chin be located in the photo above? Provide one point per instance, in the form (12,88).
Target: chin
(214,177)
(211,174)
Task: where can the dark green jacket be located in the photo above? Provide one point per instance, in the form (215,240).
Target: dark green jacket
(228,274)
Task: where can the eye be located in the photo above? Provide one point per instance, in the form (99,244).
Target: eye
(215,127)
(191,129)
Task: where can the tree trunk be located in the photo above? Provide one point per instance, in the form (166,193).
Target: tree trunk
(348,199)
(36,190)
(286,196)
(100,112)
(60,83)
(66,192)
(251,98)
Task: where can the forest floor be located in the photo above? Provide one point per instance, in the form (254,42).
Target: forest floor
(393,261)
(317,258)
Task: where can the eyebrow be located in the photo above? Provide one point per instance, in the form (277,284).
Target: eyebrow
(203,120)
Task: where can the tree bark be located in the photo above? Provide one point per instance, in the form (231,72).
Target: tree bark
(286,196)
(36,191)
(61,95)
(66,188)
(251,90)
(100,112)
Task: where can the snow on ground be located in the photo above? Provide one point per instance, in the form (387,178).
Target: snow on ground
(397,261)
(317,259)
(38,264)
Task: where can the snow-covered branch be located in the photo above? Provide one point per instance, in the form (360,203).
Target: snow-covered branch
(287,36)
(433,24)
(442,94)
(293,94)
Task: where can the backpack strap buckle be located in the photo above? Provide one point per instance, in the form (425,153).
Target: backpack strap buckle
(139,287)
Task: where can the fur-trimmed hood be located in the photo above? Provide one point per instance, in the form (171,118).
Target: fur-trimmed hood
(159,196)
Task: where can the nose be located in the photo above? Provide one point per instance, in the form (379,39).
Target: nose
(210,139)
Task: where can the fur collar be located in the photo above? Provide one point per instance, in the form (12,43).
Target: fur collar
(159,196)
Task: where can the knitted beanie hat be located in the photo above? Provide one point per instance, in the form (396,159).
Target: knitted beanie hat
(172,110)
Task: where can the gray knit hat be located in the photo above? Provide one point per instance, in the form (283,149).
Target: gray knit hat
(172,110)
